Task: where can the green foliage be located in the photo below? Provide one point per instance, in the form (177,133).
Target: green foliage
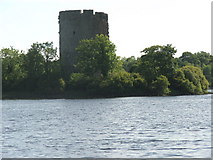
(160,86)
(139,82)
(49,53)
(203,58)
(34,62)
(199,59)
(190,80)
(35,71)
(39,59)
(101,72)
(10,53)
(61,84)
(78,81)
(130,64)
(158,60)
(13,72)
(42,66)
(207,71)
(118,81)
(53,86)
(118,66)
(96,56)
(188,58)
(124,82)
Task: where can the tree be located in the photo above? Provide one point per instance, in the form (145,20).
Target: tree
(158,60)
(130,64)
(49,53)
(190,80)
(78,81)
(34,62)
(45,50)
(187,58)
(207,70)
(119,81)
(199,59)
(42,66)
(123,83)
(203,57)
(13,72)
(96,56)
(160,86)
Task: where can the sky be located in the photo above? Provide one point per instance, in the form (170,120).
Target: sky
(133,24)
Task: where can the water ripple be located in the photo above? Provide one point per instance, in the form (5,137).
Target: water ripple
(131,127)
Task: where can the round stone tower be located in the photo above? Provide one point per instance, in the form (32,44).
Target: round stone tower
(75,26)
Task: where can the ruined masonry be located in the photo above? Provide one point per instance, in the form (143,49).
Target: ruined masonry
(75,26)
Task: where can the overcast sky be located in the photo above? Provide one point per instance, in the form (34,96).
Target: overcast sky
(133,24)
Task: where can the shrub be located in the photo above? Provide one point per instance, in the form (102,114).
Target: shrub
(124,83)
(139,82)
(118,81)
(160,86)
(190,80)
(78,81)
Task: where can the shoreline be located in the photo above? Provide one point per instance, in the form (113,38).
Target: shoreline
(75,95)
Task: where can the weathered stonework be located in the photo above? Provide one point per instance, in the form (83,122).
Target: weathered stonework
(75,26)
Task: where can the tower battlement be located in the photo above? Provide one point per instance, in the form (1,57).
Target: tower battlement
(75,25)
(88,12)
(84,13)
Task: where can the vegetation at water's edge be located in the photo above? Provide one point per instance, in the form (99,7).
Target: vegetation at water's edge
(101,73)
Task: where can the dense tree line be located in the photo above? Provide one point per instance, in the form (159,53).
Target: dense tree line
(101,72)
(36,71)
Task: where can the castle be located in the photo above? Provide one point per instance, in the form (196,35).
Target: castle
(75,26)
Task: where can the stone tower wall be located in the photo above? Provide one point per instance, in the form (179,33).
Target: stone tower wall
(75,26)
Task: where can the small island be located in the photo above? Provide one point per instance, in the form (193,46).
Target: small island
(87,66)
(38,73)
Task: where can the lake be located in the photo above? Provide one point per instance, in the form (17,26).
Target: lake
(130,127)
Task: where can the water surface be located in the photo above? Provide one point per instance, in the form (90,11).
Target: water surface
(132,127)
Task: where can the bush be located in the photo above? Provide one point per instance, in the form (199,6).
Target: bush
(160,86)
(61,84)
(190,80)
(78,81)
(139,82)
(123,83)
(50,86)
(118,81)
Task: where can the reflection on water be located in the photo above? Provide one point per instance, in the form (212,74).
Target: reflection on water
(136,127)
